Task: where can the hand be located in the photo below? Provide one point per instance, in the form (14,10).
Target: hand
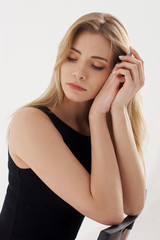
(102,102)
(132,69)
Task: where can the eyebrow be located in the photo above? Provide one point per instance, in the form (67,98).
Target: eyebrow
(101,58)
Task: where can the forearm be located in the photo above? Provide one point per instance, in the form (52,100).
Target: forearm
(105,184)
(130,164)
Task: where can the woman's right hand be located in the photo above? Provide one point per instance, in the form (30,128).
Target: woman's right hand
(102,102)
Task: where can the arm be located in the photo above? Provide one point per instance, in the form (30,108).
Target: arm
(105,178)
(130,163)
(35,140)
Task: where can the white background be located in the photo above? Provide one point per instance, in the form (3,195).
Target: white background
(30,31)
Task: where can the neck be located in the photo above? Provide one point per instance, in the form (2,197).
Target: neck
(74,113)
(75,110)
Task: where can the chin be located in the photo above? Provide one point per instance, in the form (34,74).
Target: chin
(77,97)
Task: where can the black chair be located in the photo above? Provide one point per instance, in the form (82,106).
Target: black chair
(120,231)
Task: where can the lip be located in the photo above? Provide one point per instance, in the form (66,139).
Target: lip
(76,87)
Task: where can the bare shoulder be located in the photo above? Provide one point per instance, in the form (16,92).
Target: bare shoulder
(29,122)
(30,117)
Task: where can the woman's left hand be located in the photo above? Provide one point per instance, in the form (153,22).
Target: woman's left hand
(131,69)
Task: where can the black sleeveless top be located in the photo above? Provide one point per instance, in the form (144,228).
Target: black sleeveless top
(31,211)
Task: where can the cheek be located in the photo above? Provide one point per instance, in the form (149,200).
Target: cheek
(96,87)
(66,72)
(63,70)
(99,81)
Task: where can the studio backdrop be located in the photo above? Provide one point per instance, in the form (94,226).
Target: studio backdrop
(30,31)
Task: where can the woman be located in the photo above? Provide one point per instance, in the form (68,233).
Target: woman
(77,150)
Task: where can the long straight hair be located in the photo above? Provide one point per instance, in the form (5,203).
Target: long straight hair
(114,31)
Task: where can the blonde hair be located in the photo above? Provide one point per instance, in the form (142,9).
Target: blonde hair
(114,31)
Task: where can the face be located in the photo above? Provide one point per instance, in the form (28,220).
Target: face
(87,67)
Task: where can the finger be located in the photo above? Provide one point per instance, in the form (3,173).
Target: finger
(133,60)
(130,59)
(123,73)
(135,54)
(115,67)
(133,68)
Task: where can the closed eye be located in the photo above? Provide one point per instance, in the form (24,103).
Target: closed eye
(97,68)
(71,59)
(93,66)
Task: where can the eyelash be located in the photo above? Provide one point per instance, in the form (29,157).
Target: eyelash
(95,67)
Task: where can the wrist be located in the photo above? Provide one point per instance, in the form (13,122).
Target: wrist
(98,123)
(93,116)
(118,108)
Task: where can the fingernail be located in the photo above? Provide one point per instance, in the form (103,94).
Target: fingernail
(121,56)
(116,64)
(128,52)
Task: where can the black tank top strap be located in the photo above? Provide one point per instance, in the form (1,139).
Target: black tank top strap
(46,110)
(61,125)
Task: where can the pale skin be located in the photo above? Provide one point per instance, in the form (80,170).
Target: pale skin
(117,181)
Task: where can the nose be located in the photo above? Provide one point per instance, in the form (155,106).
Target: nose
(79,75)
